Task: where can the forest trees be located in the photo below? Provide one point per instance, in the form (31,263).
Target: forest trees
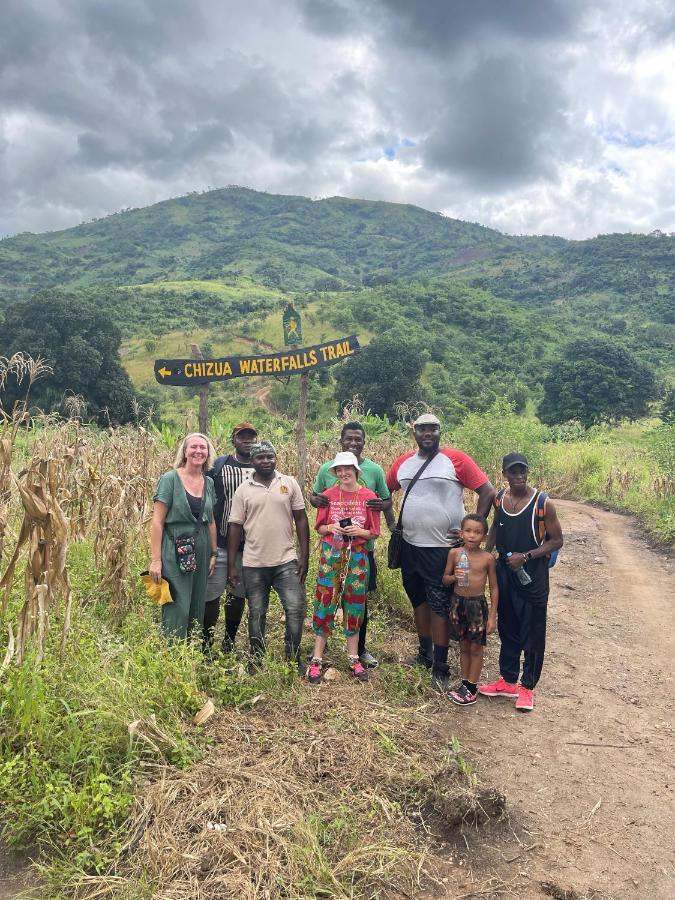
(597,380)
(384,373)
(80,343)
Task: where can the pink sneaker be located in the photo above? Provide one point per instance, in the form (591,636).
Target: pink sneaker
(357,669)
(499,688)
(314,674)
(525,701)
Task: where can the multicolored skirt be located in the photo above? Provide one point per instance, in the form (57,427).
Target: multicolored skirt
(342,579)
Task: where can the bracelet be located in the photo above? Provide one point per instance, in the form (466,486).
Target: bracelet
(214,553)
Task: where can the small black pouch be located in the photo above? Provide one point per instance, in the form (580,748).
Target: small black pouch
(185,545)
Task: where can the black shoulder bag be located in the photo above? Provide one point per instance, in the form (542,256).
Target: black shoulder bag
(396,539)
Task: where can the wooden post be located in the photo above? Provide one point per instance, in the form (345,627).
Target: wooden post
(203,395)
(300,426)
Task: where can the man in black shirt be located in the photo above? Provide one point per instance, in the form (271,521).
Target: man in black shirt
(228,472)
(526,531)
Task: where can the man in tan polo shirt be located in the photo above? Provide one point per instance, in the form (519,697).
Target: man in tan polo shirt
(265,507)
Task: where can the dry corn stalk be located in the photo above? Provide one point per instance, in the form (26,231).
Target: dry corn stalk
(44,532)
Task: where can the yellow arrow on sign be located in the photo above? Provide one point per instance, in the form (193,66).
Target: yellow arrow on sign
(164,372)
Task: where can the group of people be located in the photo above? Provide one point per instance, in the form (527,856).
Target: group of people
(234,527)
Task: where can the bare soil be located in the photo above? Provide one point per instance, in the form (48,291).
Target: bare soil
(15,874)
(588,775)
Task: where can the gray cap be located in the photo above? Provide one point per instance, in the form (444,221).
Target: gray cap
(262,447)
(427,419)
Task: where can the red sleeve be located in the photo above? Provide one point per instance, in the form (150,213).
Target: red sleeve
(321,516)
(323,511)
(372,516)
(373,522)
(392,474)
(468,473)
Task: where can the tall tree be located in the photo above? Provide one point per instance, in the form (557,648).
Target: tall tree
(80,343)
(382,374)
(597,380)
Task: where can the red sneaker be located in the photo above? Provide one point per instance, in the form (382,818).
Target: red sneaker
(525,701)
(499,688)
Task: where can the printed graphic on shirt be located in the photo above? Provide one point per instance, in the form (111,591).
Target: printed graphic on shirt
(348,505)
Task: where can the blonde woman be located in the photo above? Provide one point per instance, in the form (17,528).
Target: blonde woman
(183,544)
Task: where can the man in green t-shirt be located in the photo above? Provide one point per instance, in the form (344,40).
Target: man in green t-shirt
(353,439)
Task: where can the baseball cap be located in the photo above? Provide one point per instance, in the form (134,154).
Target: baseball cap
(344,458)
(427,419)
(244,426)
(514,459)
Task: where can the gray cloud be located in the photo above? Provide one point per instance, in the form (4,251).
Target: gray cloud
(500,126)
(443,24)
(456,106)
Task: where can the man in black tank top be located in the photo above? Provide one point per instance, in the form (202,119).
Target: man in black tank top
(523,557)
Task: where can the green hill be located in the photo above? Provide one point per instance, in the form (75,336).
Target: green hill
(489,310)
(287,242)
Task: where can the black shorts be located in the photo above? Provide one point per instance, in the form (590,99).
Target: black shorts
(421,569)
(438,598)
(468,619)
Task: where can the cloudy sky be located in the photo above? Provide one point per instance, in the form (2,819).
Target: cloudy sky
(532,116)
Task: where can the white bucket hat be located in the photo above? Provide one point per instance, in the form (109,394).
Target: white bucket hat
(344,458)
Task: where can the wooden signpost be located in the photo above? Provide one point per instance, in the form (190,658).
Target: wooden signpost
(294,361)
(190,372)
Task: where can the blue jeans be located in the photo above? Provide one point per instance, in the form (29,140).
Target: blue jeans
(283,578)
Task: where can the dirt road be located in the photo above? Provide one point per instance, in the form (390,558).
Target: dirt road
(588,775)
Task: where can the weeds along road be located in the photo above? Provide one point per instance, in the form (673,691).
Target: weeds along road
(588,776)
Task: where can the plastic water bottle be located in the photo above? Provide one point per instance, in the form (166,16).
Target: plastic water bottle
(521,574)
(462,567)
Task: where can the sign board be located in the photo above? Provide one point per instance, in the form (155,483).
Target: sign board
(186,372)
(292,326)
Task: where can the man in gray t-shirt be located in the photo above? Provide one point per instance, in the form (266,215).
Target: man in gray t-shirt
(433,511)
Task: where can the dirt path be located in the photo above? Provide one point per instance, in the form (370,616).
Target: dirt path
(588,775)
(15,875)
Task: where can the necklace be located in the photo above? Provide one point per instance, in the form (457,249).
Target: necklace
(517,507)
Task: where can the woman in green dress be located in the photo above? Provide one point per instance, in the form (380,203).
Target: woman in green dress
(183,505)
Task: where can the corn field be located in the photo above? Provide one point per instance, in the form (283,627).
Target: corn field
(63,482)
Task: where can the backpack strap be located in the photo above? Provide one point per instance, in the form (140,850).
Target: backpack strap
(498,498)
(540,515)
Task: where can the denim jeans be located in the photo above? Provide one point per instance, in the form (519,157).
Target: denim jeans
(284,580)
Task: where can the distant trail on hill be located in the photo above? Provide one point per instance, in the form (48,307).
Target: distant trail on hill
(261,392)
(250,340)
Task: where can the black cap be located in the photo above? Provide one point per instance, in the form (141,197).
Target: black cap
(514,459)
